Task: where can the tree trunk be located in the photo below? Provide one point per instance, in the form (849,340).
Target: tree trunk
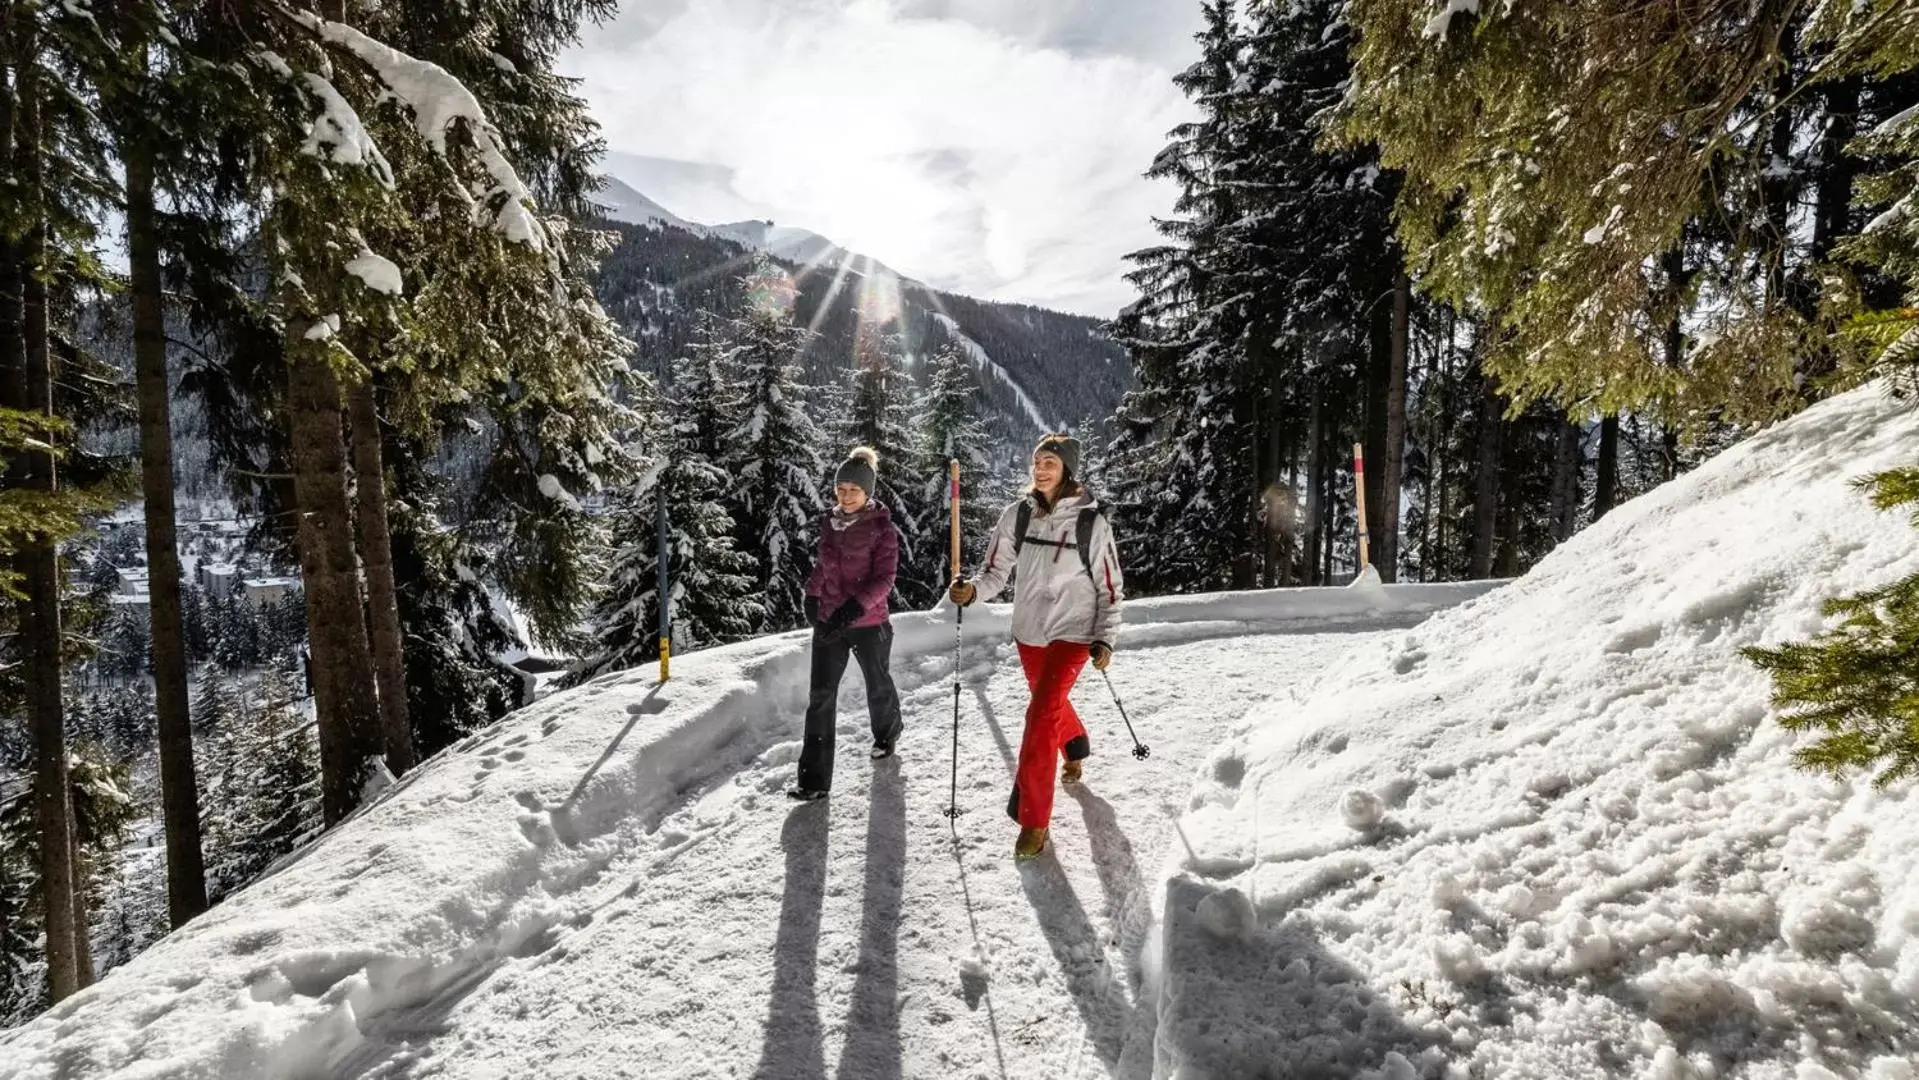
(1315,511)
(1832,193)
(179,790)
(1486,483)
(1372,436)
(382,596)
(39,566)
(1393,467)
(1566,470)
(1606,483)
(342,659)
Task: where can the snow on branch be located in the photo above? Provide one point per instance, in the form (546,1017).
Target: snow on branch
(439,100)
(339,127)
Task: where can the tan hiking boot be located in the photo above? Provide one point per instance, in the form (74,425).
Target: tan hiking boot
(1069,773)
(1030,843)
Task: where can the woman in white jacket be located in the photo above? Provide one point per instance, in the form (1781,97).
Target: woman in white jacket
(1065,612)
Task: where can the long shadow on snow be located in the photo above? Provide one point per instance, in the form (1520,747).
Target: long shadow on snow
(974,983)
(1128,911)
(1270,1002)
(795,1047)
(872,1050)
(651,703)
(1081,954)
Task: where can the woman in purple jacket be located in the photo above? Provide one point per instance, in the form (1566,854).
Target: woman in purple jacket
(852,576)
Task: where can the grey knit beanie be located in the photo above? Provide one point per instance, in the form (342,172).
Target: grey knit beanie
(1063,445)
(860,467)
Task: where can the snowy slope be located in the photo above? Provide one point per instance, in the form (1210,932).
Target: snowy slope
(622,203)
(988,368)
(609,884)
(1551,831)
(809,249)
(1556,833)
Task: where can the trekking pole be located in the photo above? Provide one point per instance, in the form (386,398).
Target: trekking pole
(1139,749)
(959,618)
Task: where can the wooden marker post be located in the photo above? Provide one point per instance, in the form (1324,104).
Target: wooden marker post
(1359,491)
(953,499)
(959,620)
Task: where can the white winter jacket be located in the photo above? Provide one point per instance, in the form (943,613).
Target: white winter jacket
(1057,600)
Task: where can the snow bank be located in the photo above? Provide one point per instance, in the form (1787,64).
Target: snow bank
(484,855)
(1556,832)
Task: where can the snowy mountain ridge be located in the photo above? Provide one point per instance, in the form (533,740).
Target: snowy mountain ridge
(788,242)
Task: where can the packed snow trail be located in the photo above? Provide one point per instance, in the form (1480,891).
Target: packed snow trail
(610,882)
(867,937)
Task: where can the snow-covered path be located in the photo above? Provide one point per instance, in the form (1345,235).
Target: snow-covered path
(868,937)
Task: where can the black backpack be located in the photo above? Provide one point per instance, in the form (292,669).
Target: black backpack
(1082,534)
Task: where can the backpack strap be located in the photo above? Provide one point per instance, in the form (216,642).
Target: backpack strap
(1083,534)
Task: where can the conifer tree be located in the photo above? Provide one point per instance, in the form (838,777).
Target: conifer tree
(774,449)
(712,583)
(947,428)
(878,417)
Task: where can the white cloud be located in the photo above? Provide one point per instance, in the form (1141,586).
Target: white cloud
(945,138)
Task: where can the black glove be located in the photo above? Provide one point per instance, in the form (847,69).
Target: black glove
(1101,653)
(963,592)
(812,608)
(844,616)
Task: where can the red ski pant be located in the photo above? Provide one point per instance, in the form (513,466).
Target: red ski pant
(1051,724)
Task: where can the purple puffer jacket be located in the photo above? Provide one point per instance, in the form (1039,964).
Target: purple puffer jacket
(858,556)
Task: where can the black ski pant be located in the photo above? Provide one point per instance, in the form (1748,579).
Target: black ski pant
(872,646)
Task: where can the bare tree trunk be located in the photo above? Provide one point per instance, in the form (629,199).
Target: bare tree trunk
(1566,470)
(1606,483)
(342,659)
(382,595)
(1374,424)
(38,561)
(1486,483)
(1444,448)
(179,790)
(1394,466)
(1315,510)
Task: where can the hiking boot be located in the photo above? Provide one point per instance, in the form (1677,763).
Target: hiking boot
(1030,843)
(1069,773)
(805,794)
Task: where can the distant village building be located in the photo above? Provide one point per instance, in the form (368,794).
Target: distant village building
(133,581)
(267,591)
(219,579)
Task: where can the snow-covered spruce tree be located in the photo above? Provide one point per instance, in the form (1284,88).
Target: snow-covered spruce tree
(285,811)
(23,986)
(493,316)
(947,427)
(773,452)
(1182,456)
(713,586)
(879,416)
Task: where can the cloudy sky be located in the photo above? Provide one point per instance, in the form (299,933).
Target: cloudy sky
(989,147)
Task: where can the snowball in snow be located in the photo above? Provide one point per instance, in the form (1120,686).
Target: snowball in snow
(1362,809)
(1228,914)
